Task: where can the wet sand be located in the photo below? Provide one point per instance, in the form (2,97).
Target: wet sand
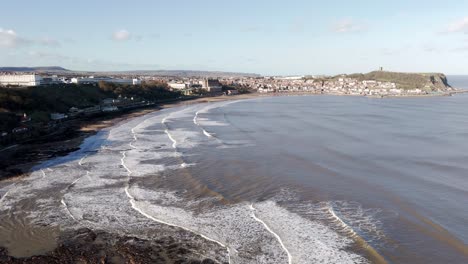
(88,246)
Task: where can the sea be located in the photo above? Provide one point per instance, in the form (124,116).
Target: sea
(286,179)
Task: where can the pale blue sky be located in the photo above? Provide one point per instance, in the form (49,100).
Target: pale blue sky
(267,37)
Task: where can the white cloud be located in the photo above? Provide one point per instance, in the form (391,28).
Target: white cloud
(121,35)
(347,25)
(458,26)
(9,39)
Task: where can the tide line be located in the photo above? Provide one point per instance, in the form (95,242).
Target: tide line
(272,232)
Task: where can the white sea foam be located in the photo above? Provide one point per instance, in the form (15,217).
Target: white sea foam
(103,190)
(301,236)
(66,209)
(4,196)
(206,133)
(195,118)
(272,232)
(174,142)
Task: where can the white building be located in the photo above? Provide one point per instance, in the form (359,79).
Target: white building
(178,86)
(20,80)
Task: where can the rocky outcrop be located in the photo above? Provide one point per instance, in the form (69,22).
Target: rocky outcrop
(87,246)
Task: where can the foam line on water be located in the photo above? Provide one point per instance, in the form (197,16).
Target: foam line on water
(80,162)
(66,209)
(3,197)
(135,207)
(195,121)
(206,133)
(336,218)
(272,232)
(174,142)
(132,202)
(134,138)
(195,118)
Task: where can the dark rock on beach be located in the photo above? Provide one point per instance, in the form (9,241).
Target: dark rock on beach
(87,246)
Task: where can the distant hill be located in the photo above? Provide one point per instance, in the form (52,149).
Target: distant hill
(182,73)
(174,73)
(406,80)
(33,69)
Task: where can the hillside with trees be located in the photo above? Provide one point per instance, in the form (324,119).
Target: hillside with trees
(39,102)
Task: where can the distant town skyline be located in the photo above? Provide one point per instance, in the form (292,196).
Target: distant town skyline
(265,37)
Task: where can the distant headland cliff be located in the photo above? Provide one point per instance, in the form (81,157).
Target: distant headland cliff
(376,83)
(426,81)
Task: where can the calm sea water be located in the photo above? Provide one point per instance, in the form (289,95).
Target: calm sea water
(403,162)
(458,81)
(303,178)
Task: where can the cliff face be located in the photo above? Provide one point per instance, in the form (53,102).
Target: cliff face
(426,81)
(440,79)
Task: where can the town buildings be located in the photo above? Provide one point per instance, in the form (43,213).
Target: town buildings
(92,79)
(212,85)
(20,80)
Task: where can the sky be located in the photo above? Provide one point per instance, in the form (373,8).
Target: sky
(291,37)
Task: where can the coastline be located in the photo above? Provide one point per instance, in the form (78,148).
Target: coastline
(89,128)
(174,246)
(17,160)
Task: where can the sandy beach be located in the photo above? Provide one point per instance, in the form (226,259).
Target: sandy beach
(82,245)
(18,159)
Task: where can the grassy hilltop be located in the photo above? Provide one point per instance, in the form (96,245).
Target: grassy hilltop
(426,81)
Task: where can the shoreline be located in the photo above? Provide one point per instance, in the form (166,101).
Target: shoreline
(17,160)
(82,245)
(69,239)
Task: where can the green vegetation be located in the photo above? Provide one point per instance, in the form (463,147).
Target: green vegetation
(8,121)
(39,102)
(406,80)
(151,91)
